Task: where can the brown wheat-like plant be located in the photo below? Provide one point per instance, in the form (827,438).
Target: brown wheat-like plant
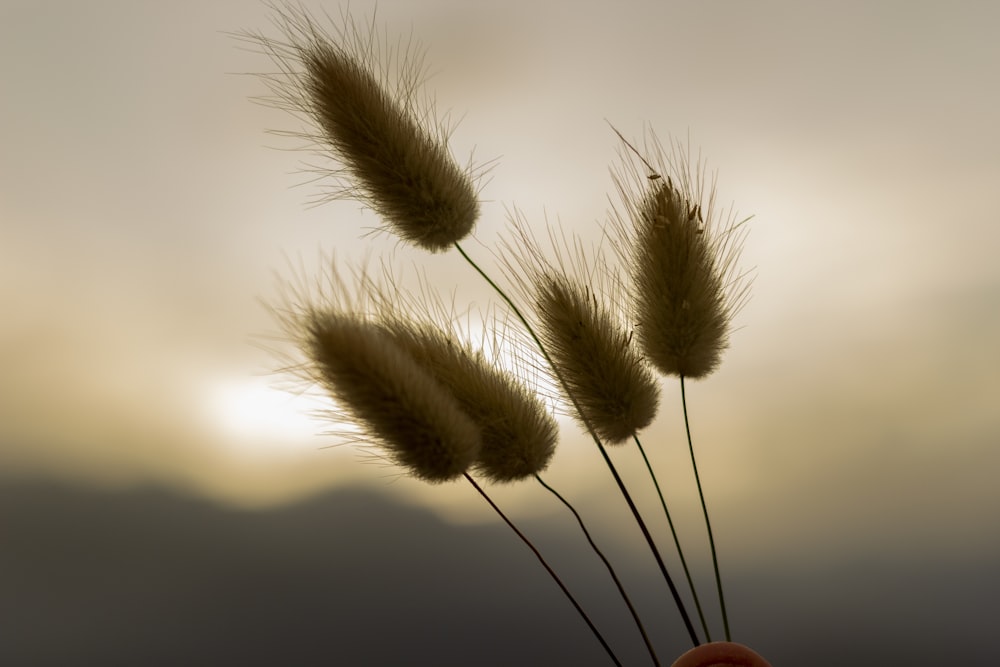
(429,399)
(518,433)
(359,99)
(576,301)
(684,255)
(403,406)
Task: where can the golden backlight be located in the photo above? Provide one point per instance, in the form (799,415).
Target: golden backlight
(258,420)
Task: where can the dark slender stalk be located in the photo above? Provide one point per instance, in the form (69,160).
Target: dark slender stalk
(704,508)
(600,446)
(677,542)
(607,564)
(548,568)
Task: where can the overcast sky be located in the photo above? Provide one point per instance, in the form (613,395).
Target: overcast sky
(145,212)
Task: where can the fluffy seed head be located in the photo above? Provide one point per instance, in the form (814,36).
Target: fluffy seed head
(518,434)
(679,298)
(614,389)
(365,114)
(409,177)
(684,290)
(393,397)
(580,318)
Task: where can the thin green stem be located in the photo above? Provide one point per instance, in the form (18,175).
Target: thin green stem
(607,564)
(548,568)
(677,542)
(704,508)
(600,446)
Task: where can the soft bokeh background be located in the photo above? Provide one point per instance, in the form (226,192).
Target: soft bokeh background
(163,501)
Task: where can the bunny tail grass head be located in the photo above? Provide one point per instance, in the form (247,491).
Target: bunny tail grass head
(363,108)
(581,322)
(392,397)
(518,433)
(613,388)
(684,289)
(679,300)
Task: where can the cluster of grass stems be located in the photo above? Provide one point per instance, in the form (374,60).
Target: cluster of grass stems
(424,395)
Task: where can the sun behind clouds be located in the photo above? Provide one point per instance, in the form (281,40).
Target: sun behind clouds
(258,419)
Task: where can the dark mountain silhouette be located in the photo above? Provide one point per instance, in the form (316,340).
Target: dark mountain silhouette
(150,577)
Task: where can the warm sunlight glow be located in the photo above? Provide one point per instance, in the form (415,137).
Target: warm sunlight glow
(262,418)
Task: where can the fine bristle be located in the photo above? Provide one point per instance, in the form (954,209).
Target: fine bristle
(582,322)
(518,434)
(614,390)
(409,178)
(680,302)
(394,398)
(394,157)
(684,288)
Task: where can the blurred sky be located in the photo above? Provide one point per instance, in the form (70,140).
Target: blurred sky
(144,214)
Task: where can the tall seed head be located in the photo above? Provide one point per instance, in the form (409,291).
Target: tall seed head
(685,289)
(366,115)
(615,391)
(518,434)
(408,176)
(580,319)
(392,396)
(680,301)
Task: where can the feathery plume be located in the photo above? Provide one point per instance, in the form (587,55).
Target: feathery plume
(518,434)
(516,431)
(679,299)
(615,391)
(605,377)
(684,291)
(366,116)
(395,399)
